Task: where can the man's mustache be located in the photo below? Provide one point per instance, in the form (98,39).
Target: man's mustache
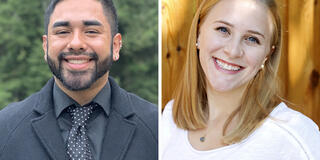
(93,55)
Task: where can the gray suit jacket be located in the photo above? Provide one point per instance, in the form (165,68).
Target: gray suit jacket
(29,130)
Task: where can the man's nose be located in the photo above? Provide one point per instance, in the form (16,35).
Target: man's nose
(77,43)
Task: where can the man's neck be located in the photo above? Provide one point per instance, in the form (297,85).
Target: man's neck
(84,96)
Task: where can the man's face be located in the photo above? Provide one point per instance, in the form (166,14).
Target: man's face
(79,46)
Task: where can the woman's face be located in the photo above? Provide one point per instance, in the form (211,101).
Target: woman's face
(234,41)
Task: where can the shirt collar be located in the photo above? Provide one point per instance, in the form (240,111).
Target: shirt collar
(63,101)
(103,98)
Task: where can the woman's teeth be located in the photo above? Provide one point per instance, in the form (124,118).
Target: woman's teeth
(227,66)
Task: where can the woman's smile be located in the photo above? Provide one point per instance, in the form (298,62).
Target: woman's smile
(227,67)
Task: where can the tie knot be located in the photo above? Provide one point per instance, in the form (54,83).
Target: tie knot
(80,115)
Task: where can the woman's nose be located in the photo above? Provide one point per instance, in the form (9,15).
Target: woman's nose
(233,48)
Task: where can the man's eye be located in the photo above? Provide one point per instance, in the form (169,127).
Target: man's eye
(253,40)
(223,30)
(62,32)
(92,32)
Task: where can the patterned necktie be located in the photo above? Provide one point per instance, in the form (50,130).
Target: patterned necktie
(78,144)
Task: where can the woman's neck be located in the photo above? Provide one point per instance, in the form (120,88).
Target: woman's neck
(222,104)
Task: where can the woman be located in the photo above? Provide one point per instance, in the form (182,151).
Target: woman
(227,105)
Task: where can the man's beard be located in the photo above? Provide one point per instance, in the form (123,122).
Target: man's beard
(78,80)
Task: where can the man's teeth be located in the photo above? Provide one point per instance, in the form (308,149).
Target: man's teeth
(77,61)
(227,66)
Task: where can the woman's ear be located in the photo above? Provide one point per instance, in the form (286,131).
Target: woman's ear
(198,42)
(273,48)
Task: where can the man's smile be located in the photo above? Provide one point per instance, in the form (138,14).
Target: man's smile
(80,62)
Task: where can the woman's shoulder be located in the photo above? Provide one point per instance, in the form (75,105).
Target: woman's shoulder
(297,128)
(166,117)
(168,107)
(168,128)
(288,118)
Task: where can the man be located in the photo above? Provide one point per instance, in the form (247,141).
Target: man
(81,113)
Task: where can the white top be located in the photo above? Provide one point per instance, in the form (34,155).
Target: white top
(288,135)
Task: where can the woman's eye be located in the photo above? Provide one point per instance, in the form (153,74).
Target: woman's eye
(223,30)
(253,40)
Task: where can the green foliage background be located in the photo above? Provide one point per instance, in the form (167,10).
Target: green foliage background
(23,70)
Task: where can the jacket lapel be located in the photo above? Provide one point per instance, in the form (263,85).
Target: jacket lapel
(120,129)
(47,130)
(119,133)
(45,125)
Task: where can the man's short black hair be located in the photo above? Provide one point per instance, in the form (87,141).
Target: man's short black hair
(108,8)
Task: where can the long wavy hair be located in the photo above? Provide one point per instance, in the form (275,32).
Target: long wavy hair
(190,108)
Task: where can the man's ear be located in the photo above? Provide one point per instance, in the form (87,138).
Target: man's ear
(44,46)
(117,44)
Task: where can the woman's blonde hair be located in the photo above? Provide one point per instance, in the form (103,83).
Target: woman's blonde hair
(190,108)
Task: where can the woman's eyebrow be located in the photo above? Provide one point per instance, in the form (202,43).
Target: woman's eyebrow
(256,32)
(224,22)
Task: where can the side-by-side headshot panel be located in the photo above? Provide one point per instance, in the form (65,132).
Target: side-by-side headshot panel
(159,80)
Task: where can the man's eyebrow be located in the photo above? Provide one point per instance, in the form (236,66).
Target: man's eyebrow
(92,23)
(61,24)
